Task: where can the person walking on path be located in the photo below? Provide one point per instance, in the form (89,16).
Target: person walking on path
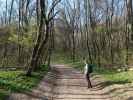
(87,72)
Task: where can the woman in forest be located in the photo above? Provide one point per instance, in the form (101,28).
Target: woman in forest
(87,71)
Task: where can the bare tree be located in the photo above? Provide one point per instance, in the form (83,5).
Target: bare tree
(45,20)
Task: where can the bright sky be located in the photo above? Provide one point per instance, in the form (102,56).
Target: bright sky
(3,3)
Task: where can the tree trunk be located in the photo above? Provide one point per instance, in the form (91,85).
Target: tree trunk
(37,52)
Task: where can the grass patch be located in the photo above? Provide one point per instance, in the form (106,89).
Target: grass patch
(16,81)
(3,94)
(115,77)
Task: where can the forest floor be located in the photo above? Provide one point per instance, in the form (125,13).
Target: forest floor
(66,83)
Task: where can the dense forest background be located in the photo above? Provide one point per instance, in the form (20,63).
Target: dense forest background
(33,31)
(43,44)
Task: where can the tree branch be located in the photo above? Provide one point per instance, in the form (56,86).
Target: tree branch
(55,2)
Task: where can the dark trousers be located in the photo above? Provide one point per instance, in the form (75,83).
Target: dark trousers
(88,80)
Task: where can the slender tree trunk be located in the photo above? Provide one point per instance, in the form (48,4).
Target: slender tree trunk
(73,51)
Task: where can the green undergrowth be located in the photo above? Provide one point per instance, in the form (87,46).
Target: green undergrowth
(115,77)
(3,94)
(16,81)
(60,58)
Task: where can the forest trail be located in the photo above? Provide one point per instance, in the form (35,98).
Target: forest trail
(71,85)
(66,83)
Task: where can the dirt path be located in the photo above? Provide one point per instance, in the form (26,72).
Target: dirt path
(66,83)
(71,85)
